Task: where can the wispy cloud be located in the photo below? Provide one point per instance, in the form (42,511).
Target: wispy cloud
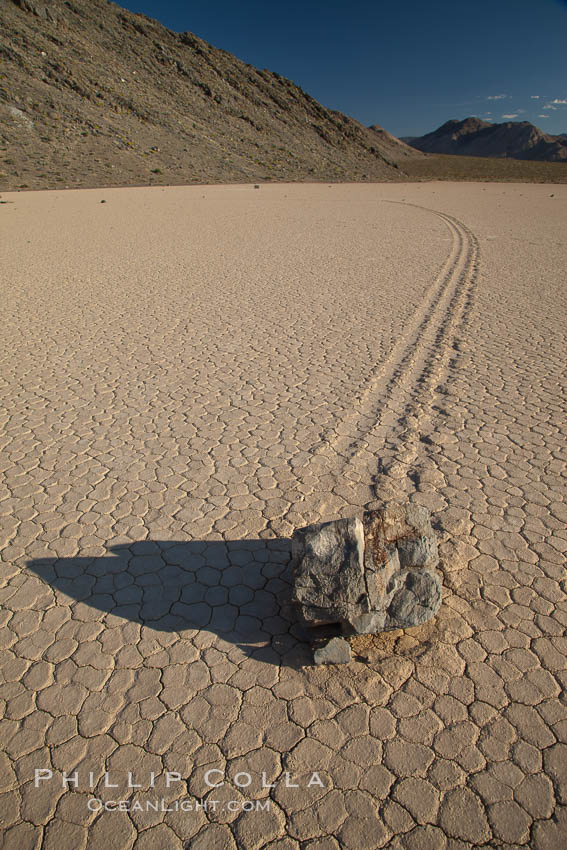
(497,96)
(544,115)
(535,96)
(511,115)
(548,106)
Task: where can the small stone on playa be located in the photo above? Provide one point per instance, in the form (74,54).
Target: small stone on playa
(336,651)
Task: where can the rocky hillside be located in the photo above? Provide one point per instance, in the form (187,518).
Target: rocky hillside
(396,149)
(474,137)
(94,95)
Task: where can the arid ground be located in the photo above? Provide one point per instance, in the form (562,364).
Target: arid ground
(483,169)
(190,374)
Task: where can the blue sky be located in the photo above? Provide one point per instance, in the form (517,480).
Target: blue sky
(408,66)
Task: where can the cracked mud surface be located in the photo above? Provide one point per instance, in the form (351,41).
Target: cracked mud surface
(189,374)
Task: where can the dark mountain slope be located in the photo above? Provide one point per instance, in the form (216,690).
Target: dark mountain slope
(391,146)
(93,95)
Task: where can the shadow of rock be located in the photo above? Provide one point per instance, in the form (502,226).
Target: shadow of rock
(240,590)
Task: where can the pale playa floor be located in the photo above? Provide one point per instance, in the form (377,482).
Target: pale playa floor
(190,366)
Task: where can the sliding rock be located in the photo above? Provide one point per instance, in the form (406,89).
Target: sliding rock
(329,576)
(369,575)
(336,651)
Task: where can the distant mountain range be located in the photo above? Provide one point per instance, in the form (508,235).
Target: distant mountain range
(475,137)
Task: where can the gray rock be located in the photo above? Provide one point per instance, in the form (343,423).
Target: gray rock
(409,529)
(336,651)
(368,575)
(416,598)
(328,560)
(365,624)
(418,552)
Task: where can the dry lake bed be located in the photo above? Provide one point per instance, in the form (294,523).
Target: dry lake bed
(191,373)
